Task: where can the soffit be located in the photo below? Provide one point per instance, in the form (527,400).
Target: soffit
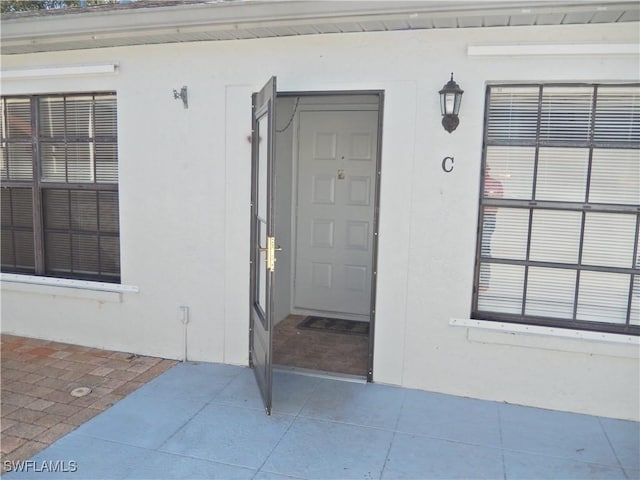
(153,22)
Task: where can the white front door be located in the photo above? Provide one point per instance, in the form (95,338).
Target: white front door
(336,183)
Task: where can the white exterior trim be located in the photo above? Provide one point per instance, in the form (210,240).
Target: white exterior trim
(56,72)
(223,20)
(569,49)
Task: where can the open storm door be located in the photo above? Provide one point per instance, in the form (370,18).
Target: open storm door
(262,236)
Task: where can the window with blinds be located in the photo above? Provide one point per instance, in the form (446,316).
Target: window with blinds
(59,174)
(559,216)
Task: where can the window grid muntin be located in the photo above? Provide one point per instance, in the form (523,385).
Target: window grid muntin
(583,207)
(38,186)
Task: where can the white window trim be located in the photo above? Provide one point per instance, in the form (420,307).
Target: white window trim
(68,283)
(546,331)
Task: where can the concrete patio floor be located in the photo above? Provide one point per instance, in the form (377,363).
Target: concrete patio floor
(207,421)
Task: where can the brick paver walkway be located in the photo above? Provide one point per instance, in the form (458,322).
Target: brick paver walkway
(37,377)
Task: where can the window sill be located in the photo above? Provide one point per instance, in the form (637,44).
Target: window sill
(99,291)
(549,338)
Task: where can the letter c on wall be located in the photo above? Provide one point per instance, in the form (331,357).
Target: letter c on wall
(447,164)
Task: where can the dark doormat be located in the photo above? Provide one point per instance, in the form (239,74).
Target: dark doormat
(336,325)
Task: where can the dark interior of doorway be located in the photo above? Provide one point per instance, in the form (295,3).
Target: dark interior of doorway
(323,351)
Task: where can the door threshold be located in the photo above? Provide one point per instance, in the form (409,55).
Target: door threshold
(345,377)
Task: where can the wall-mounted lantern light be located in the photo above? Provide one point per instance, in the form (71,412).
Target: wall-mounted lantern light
(450,98)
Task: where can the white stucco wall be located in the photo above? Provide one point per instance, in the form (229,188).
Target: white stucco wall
(184,203)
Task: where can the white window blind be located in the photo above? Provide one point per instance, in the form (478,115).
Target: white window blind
(560,207)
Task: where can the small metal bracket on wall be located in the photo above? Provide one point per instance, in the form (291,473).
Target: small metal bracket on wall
(183,95)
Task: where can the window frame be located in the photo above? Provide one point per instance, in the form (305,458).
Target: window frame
(533,204)
(38,185)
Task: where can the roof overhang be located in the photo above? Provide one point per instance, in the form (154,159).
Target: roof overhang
(143,22)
